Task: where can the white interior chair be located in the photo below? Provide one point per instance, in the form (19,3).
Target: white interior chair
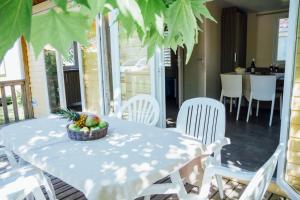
(263,88)
(204,119)
(255,190)
(142,108)
(232,88)
(23,181)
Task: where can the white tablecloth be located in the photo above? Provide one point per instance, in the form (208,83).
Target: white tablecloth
(119,166)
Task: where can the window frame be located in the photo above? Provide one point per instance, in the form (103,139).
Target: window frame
(276,39)
(287,96)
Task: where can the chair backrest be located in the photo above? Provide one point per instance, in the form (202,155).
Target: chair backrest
(202,118)
(142,108)
(231,85)
(263,87)
(260,182)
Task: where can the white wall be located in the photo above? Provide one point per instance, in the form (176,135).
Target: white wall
(38,84)
(262,37)
(13,64)
(212,46)
(202,73)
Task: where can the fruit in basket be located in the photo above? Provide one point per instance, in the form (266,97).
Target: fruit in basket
(92,120)
(78,118)
(95,128)
(102,124)
(85,129)
(74,127)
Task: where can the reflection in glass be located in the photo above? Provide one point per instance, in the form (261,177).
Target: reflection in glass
(134,67)
(52,81)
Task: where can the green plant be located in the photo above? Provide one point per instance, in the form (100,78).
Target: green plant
(61,26)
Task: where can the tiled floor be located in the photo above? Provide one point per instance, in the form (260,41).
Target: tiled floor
(251,143)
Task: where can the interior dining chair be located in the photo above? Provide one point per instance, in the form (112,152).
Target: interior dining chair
(258,182)
(232,88)
(204,119)
(21,181)
(263,88)
(142,108)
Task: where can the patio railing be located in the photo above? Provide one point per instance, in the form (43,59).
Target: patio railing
(14,101)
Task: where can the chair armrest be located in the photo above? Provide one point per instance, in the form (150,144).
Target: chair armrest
(216,146)
(229,172)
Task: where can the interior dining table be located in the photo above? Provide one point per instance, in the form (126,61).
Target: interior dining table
(246,87)
(119,166)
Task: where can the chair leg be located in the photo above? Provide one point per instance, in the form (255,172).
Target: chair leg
(257,108)
(148,197)
(230,104)
(221,98)
(220,186)
(249,108)
(272,110)
(239,106)
(280,104)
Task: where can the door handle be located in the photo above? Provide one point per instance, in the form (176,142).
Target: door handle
(235,57)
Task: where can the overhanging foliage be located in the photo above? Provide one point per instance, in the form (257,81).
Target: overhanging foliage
(60,26)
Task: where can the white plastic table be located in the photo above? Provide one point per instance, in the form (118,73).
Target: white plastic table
(120,166)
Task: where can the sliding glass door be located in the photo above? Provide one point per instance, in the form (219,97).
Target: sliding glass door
(132,72)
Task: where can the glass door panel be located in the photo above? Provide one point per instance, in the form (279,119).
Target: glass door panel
(52,79)
(90,72)
(135,69)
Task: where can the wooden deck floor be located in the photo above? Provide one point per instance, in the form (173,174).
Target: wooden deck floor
(66,192)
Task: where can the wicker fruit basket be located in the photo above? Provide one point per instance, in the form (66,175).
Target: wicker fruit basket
(86,136)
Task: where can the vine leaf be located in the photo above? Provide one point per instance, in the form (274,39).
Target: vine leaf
(15,21)
(96,7)
(59,29)
(200,10)
(182,26)
(63,3)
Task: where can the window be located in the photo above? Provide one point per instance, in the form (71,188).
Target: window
(167,57)
(282,40)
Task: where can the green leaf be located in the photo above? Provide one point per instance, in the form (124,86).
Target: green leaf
(15,21)
(61,3)
(83,2)
(182,26)
(153,14)
(199,10)
(59,29)
(96,7)
(130,8)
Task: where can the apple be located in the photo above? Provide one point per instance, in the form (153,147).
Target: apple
(85,129)
(102,124)
(74,127)
(95,128)
(92,120)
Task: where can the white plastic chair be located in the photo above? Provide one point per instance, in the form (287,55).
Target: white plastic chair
(255,190)
(263,88)
(232,87)
(259,181)
(23,181)
(204,119)
(142,108)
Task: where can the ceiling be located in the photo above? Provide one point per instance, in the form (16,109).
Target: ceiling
(34,2)
(247,5)
(257,5)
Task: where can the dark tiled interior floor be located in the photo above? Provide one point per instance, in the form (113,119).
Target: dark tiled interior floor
(252,143)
